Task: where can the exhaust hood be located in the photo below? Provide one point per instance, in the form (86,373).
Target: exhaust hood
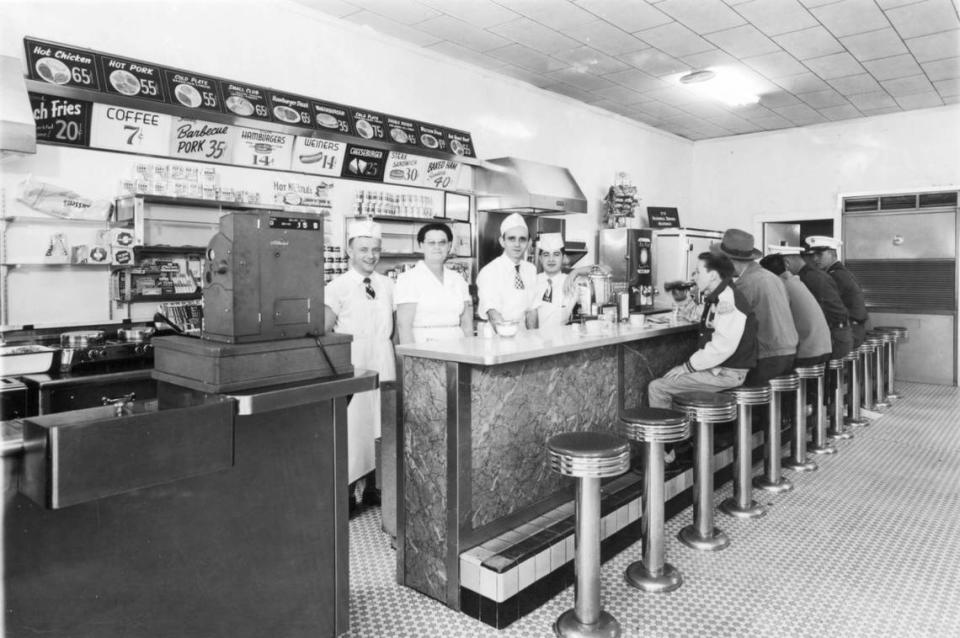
(511,185)
(18,132)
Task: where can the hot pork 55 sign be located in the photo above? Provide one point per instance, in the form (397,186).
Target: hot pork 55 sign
(131,130)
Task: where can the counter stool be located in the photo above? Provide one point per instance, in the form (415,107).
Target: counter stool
(884,357)
(900,334)
(741,504)
(837,429)
(869,350)
(855,357)
(653,427)
(772,480)
(879,340)
(820,444)
(706,409)
(587,456)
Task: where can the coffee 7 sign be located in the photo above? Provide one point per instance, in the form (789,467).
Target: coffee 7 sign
(130,130)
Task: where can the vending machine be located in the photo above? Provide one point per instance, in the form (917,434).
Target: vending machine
(627,253)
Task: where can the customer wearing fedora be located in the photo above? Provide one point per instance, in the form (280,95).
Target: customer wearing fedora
(824,251)
(767,298)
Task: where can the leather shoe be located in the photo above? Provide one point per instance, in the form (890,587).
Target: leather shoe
(371,496)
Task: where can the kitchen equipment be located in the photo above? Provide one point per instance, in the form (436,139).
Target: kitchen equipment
(675,252)
(81,338)
(134,335)
(601,282)
(28,359)
(13,399)
(512,185)
(627,253)
(89,351)
(87,386)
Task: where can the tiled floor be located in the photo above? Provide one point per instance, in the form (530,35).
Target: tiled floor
(866,546)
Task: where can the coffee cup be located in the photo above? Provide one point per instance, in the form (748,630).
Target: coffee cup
(637,319)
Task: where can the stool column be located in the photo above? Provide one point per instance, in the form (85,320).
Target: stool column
(898,333)
(587,539)
(868,352)
(741,504)
(772,479)
(855,420)
(798,461)
(879,383)
(837,429)
(820,444)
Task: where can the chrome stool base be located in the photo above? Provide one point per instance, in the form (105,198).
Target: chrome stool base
(826,448)
(790,463)
(730,507)
(567,626)
(881,405)
(640,577)
(841,435)
(691,537)
(893,396)
(780,485)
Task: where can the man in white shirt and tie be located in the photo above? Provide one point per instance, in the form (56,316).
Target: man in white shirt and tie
(553,305)
(507,286)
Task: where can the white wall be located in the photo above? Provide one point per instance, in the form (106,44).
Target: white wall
(285,46)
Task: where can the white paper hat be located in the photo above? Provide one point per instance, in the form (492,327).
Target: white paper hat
(512,221)
(363,228)
(551,241)
(785,250)
(816,242)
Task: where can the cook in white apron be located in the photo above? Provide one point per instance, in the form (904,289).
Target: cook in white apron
(507,286)
(553,306)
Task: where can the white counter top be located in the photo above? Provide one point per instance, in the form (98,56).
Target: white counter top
(532,344)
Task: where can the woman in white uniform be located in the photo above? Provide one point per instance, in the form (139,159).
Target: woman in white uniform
(433,303)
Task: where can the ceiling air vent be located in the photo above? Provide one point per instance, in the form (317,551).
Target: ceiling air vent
(857,204)
(898,202)
(934,200)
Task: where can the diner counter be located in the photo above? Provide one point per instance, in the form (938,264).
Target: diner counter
(534,344)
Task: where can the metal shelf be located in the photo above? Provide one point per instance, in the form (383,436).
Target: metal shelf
(186,296)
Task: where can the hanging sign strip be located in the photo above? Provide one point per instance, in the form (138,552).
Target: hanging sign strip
(201,141)
(262,149)
(318,156)
(410,170)
(191,90)
(132,78)
(245,100)
(61,120)
(62,65)
(131,130)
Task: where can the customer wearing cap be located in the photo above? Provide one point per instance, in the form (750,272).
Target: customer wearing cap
(825,255)
(825,291)
(814,345)
(360,303)
(507,286)
(433,302)
(727,337)
(767,297)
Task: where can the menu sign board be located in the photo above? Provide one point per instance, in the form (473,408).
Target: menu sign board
(460,142)
(130,130)
(410,170)
(245,100)
(290,109)
(402,131)
(369,125)
(132,78)
(192,90)
(364,163)
(663,217)
(201,141)
(327,115)
(58,64)
(318,156)
(61,120)
(433,137)
(262,149)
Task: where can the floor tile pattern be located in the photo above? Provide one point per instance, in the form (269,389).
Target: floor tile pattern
(866,546)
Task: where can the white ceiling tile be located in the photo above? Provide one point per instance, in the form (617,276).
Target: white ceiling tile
(889,4)
(851,16)
(702,16)
(479,13)
(621,94)
(809,43)
(453,50)
(636,80)
(336,8)
(585,81)
(823,99)
(534,35)
(803,83)
(837,65)
(402,12)
(951,99)
(779,99)
(658,109)
(775,65)
(872,100)
(527,58)
(673,95)
(606,37)
(556,15)
(842,112)
(854,84)
(774,17)
(655,62)
(570,91)
(800,114)
(819,3)
(947,69)
(674,39)
(882,111)
(705,109)
(586,58)
(920,100)
(882,43)
(948,87)
(448,28)
(734,3)
(907,85)
(898,66)
(527,76)
(629,15)
(935,47)
(743,42)
(388,27)
(713,57)
(773,122)
(924,18)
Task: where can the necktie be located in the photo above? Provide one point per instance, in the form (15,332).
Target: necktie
(371,293)
(517,281)
(548,295)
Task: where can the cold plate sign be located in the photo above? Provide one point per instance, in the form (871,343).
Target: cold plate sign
(130,130)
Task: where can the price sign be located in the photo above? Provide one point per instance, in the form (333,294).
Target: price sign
(192,90)
(201,141)
(245,100)
(432,137)
(402,131)
(318,156)
(262,149)
(131,130)
(460,142)
(369,125)
(65,66)
(410,170)
(364,163)
(330,116)
(61,120)
(132,78)
(291,109)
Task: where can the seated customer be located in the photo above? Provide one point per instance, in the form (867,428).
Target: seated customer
(728,337)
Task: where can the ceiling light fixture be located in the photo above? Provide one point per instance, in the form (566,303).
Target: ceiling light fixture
(727,85)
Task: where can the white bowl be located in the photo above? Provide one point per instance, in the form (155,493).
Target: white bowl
(507,328)
(638,320)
